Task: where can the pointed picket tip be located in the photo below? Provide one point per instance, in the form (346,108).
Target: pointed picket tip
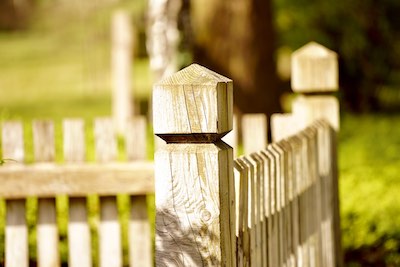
(314,69)
(196,75)
(193,105)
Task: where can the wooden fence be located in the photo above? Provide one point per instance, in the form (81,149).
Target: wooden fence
(76,179)
(277,206)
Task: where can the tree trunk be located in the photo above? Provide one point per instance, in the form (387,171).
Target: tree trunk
(236,39)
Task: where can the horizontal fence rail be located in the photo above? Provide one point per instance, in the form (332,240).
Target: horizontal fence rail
(76,179)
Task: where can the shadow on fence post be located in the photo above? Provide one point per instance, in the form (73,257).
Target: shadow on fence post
(195,201)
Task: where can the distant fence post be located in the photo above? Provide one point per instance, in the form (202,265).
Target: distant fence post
(315,75)
(195,201)
(122,45)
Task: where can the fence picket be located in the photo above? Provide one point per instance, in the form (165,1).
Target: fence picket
(47,231)
(79,244)
(242,232)
(135,139)
(16,247)
(295,156)
(288,187)
(266,188)
(261,204)
(273,225)
(252,228)
(254,132)
(280,202)
(110,252)
(140,249)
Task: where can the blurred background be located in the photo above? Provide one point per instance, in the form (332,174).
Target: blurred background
(56,62)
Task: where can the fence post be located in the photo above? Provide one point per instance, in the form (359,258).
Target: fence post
(195,201)
(122,48)
(315,75)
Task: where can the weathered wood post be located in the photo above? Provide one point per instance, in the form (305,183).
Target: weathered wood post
(315,76)
(122,48)
(195,202)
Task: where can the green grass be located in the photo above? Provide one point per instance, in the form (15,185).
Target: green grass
(63,63)
(369,161)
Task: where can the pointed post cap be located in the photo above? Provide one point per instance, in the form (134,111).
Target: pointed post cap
(314,69)
(193,105)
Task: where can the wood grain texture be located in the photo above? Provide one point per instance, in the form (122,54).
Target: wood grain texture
(47,231)
(193,100)
(262,224)
(252,213)
(195,205)
(254,132)
(241,200)
(76,179)
(79,240)
(268,165)
(314,69)
(278,153)
(273,221)
(295,157)
(16,230)
(110,250)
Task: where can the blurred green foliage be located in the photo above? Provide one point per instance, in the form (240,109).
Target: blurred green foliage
(369,187)
(365,34)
